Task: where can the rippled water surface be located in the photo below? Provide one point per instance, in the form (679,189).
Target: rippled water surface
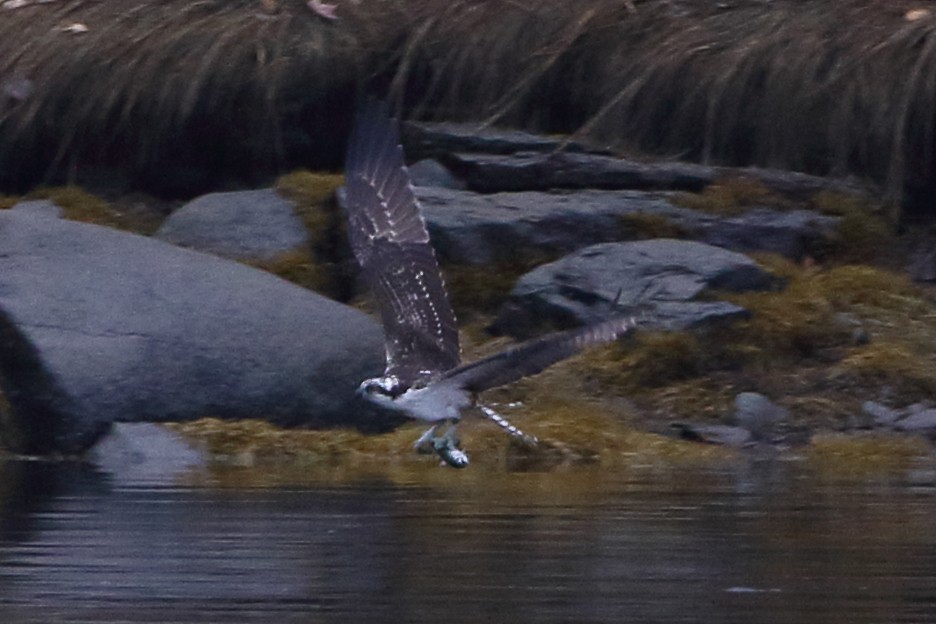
(758,543)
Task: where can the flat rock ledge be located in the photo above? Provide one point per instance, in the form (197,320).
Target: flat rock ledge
(657,281)
(478,229)
(98,325)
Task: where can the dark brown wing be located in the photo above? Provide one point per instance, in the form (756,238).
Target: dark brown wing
(390,241)
(531,357)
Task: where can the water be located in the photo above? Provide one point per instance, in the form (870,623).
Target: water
(764,542)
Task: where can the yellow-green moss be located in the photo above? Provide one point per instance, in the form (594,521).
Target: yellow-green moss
(311,194)
(8,201)
(645,225)
(861,455)
(481,289)
(651,359)
(580,433)
(804,316)
(79,205)
(730,197)
(898,367)
(298,267)
(864,232)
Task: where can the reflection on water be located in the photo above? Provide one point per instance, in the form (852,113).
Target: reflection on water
(759,543)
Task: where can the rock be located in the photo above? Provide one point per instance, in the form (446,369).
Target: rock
(795,185)
(923,265)
(243,225)
(793,234)
(758,414)
(98,325)
(530,171)
(432,173)
(433,139)
(725,435)
(471,228)
(39,207)
(921,421)
(477,229)
(144,452)
(657,281)
(880,414)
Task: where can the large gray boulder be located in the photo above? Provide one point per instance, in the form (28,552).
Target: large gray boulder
(98,325)
(243,225)
(659,281)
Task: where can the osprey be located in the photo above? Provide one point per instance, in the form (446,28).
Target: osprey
(424,378)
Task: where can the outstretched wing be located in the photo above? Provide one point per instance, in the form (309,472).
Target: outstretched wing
(390,241)
(531,357)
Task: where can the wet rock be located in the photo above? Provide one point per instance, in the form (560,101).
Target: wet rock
(921,421)
(759,415)
(793,234)
(243,225)
(433,139)
(880,414)
(658,281)
(39,207)
(98,325)
(795,185)
(140,452)
(530,171)
(724,435)
(432,173)
(923,265)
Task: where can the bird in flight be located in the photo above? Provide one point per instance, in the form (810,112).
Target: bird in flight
(424,377)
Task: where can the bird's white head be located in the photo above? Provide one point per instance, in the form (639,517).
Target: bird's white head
(381,390)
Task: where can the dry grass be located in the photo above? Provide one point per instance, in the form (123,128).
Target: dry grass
(812,85)
(730,197)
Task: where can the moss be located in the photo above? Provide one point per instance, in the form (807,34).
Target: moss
(481,289)
(298,267)
(863,234)
(643,225)
(861,455)
(730,197)
(898,367)
(579,433)
(79,205)
(312,195)
(651,359)
(805,317)
(8,201)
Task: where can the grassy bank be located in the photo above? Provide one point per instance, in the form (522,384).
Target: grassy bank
(178,96)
